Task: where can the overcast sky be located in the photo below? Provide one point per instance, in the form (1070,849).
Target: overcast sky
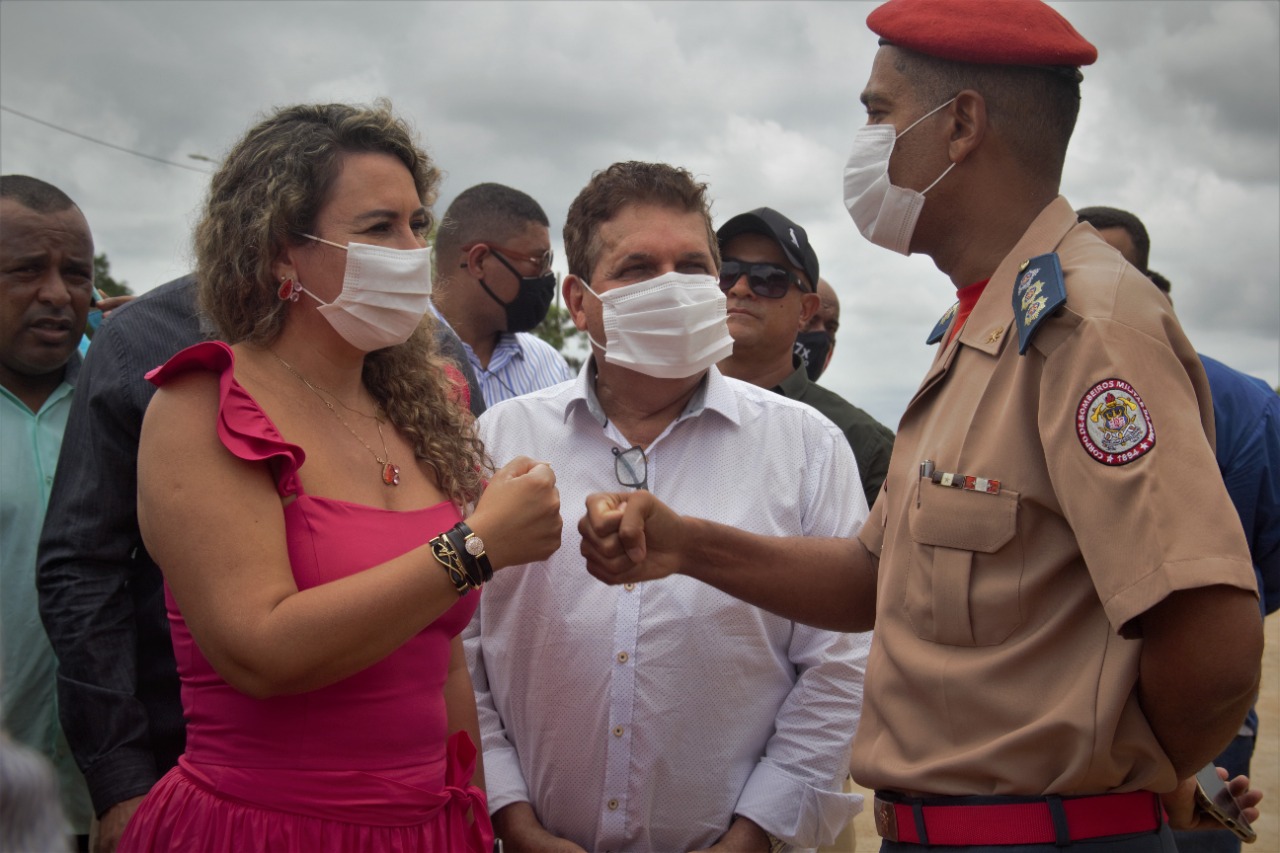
(1180,124)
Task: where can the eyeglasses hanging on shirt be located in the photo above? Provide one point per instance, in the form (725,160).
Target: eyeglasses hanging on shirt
(631,467)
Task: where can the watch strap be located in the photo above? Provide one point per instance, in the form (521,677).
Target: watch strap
(473,546)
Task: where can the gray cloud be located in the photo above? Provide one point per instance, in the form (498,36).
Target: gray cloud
(1178,124)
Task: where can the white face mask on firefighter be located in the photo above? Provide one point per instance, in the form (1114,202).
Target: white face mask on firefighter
(885,214)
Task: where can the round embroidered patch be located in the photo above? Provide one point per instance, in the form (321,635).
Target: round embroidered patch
(1113,424)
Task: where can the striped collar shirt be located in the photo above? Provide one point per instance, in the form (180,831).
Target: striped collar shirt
(520,363)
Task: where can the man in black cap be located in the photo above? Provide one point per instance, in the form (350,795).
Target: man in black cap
(768,273)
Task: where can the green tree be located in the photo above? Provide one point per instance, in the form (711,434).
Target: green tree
(557,329)
(103,280)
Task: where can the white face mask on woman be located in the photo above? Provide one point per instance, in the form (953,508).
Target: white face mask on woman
(668,327)
(886,215)
(384,294)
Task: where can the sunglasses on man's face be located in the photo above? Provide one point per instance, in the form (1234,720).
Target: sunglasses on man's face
(768,280)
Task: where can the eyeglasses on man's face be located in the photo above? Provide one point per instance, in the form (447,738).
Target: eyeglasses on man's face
(631,467)
(768,280)
(541,261)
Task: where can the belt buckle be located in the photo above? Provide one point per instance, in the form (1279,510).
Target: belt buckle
(886,819)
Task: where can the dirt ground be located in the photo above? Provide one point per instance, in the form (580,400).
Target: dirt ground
(861,836)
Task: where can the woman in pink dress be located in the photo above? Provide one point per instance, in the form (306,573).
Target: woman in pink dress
(304,491)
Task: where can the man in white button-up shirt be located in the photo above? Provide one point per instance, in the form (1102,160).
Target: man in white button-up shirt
(664,716)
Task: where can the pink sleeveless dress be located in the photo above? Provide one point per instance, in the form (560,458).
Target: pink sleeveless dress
(360,765)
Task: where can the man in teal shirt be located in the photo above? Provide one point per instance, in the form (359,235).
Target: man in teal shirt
(46,279)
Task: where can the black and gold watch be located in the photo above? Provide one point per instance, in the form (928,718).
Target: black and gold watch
(468,542)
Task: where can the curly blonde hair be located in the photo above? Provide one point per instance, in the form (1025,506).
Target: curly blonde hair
(267,193)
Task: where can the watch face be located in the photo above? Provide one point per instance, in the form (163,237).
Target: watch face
(475,545)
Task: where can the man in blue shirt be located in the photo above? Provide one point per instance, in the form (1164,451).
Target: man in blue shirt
(493,284)
(46,281)
(1246,414)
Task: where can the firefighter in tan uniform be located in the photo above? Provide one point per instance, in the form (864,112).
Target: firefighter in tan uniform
(1065,610)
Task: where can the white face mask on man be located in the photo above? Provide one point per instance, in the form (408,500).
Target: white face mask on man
(669,327)
(384,294)
(885,214)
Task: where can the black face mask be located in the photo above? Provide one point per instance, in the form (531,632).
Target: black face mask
(813,349)
(533,299)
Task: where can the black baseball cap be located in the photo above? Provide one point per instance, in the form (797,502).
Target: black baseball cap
(790,236)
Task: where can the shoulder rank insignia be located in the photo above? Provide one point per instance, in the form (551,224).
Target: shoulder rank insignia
(1038,292)
(941,328)
(1113,424)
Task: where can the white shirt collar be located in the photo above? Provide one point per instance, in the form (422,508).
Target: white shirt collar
(713,394)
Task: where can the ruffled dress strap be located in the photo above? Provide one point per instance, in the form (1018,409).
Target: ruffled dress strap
(243,427)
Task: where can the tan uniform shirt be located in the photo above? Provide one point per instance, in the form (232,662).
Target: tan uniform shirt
(1001,664)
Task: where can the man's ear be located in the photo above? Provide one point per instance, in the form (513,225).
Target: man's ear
(809,305)
(471,260)
(968,126)
(574,293)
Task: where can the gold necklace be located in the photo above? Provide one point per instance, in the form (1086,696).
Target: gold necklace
(390,471)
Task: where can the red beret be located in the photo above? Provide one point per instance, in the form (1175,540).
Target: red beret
(986,32)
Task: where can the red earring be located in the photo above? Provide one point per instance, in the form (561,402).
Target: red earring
(288,290)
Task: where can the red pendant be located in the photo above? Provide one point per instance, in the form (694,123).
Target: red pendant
(391,474)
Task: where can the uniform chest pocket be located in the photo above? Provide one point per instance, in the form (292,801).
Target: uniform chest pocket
(965,573)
